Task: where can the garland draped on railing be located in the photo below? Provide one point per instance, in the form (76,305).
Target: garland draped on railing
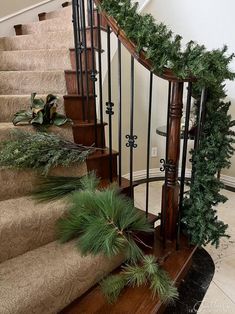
(210,69)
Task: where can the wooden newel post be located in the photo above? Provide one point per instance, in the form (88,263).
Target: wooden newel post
(170,190)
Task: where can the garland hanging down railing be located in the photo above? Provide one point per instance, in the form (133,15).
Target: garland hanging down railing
(155,46)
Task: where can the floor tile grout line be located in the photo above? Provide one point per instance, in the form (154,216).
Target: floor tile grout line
(223,291)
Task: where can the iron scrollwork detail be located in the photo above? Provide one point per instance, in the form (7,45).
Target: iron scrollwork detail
(109,109)
(80,48)
(169,165)
(93,76)
(131,141)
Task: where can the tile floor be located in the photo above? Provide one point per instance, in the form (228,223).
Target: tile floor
(220,297)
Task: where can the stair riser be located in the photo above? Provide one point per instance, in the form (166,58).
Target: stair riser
(35,60)
(18,83)
(51,277)
(65,13)
(21,183)
(45,26)
(59,40)
(11,104)
(84,60)
(49,26)
(86,135)
(74,108)
(101,166)
(25,225)
(103,22)
(71,83)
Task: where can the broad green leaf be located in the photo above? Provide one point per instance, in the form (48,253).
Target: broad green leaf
(22,116)
(38,119)
(60,119)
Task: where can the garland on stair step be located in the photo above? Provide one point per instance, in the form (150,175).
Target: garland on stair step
(147,271)
(40,151)
(211,68)
(106,222)
(41,113)
(52,188)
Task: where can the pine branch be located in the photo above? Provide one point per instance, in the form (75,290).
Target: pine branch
(40,151)
(52,188)
(147,271)
(104,223)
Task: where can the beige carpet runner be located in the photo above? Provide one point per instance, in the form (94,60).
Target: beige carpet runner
(37,274)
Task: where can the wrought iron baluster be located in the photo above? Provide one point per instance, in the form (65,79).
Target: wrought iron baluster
(84,41)
(120,109)
(131,137)
(200,122)
(75,17)
(110,105)
(163,220)
(100,82)
(93,71)
(184,159)
(148,140)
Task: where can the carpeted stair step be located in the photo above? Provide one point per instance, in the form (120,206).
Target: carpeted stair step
(26,225)
(47,279)
(6,129)
(35,60)
(18,183)
(52,25)
(10,104)
(26,82)
(55,40)
(64,13)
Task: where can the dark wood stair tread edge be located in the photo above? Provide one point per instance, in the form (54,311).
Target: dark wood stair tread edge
(89,48)
(138,300)
(101,153)
(68,96)
(82,124)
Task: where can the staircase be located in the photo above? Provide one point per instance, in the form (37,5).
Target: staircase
(37,274)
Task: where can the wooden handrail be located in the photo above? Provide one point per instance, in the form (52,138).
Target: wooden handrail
(167,74)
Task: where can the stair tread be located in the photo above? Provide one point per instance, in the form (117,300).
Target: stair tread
(25,36)
(6,127)
(59,39)
(26,225)
(102,153)
(22,82)
(35,60)
(80,123)
(139,299)
(60,13)
(55,268)
(10,104)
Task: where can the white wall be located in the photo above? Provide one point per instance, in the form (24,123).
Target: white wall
(209,22)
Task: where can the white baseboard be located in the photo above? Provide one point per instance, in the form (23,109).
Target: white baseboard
(155,172)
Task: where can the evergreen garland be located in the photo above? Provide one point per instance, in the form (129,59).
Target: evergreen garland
(40,151)
(147,271)
(211,69)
